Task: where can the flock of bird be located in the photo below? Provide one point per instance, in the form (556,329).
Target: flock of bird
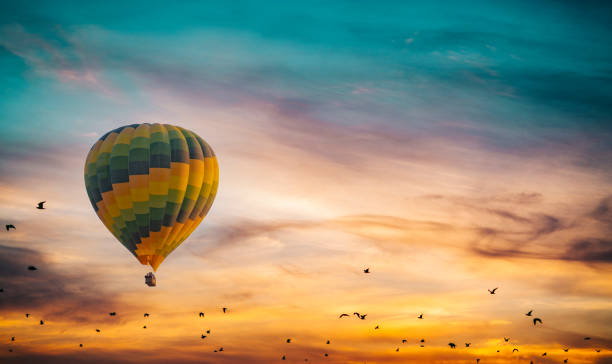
(359,316)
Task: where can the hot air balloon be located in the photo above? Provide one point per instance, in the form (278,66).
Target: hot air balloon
(151,185)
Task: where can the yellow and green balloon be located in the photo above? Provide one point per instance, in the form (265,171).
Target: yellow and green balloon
(151,185)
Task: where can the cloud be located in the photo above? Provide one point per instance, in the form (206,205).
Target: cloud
(590,250)
(47,290)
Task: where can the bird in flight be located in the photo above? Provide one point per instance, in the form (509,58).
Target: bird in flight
(344,315)
(506,339)
(27,315)
(42,322)
(97,330)
(536,320)
(326,354)
(566,350)
(201,314)
(146,315)
(376,328)
(40,205)
(362,317)
(397,349)
(327,342)
(367,270)
(283,358)
(112,313)
(477,360)
(1,290)
(587,338)
(544,354)
(288,341)
(492,291)
(224,309)
(208,331)
(422,340)
(420,316)
(13,338)
(452,345)
(32,268)
(203,336)
(515,349)
(80,345)
(565,360)
(404,341)
(10,226)
(529,313)
(598,350)
(144,327)
(467,345)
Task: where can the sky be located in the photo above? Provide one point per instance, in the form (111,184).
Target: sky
(450,148)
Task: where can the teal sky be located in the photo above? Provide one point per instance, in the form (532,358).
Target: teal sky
(452,147)
(530,70)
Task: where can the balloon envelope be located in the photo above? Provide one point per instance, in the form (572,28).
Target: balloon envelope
(151,185)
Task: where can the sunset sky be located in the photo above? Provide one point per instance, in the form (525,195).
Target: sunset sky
(449,147)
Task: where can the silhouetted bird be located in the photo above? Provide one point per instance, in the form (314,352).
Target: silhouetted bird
(493,290)
(146,315)
(404,341)
(598,350)
(13,338)
(498,351)
(397,349)
(587,338)
(10,226)
(566,350)
(467,345)
(201,314)
(283,358)
(221,349)
(515,349)
(40,205)
(27,315)
(326,354)
(327,342)
(565,360)
(344,315)
(203,336)
(376,328)
(477,360)
(544,354)
(422,340)
(367,270)
(144,327)
(97,330)
(536,320)
(42,322)
(452,345)
(1,290)
(31,267)
(420,316)
(529,313)
(224,309)
(80,345)
(506,339)
(362,317)
(288,341)
(208,331)
(10,350)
